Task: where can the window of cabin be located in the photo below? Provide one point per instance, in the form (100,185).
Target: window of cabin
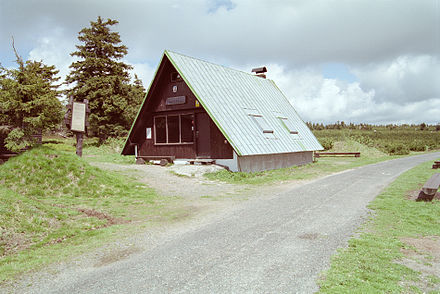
(175,77)
(160,129)
(186,128)
(174,129)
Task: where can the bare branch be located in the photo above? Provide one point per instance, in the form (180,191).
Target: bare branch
(19,59)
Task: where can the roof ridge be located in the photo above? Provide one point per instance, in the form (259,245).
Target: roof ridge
(216,64)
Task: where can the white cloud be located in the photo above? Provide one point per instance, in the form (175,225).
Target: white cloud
(319,99)
(403,79)
(54,50)
(144,71)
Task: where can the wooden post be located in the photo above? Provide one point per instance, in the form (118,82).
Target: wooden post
(79,143)
(77,121)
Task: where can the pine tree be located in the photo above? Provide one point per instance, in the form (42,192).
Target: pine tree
(29,102)
(102,78)
(135,98)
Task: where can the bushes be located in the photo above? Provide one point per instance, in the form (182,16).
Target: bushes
(397,149)
(397,140)
(417,145)
(327,143)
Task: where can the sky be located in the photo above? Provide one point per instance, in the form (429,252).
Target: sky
(360,61)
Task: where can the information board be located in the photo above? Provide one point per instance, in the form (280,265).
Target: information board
(78,117)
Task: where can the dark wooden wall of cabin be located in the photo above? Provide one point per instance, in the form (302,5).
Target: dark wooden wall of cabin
(220,148)
(156,105)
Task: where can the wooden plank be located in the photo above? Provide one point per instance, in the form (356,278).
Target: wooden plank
(355,154)
(431,186)
(158,157)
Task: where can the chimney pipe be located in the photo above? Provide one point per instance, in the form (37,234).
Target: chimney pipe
(260,71)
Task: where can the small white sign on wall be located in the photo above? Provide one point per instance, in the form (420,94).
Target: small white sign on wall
(148,131)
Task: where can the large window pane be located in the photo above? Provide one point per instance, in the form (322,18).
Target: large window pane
(173,129)
(186,127)
(160,129)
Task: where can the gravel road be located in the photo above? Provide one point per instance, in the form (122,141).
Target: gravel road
(273,244)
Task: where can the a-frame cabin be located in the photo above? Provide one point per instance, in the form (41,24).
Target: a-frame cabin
(198,110)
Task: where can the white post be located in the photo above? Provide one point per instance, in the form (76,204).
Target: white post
(136,151)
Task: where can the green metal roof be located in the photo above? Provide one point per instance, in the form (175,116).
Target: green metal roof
(250,111)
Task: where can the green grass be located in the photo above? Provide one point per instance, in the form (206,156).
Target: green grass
(50,198)
(92,152)
(368,264)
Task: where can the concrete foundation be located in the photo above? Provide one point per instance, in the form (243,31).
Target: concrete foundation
(255,163)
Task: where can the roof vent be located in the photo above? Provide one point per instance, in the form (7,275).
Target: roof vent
(259,71)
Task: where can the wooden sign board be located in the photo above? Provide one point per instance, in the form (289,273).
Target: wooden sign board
(175,100)
(78,117)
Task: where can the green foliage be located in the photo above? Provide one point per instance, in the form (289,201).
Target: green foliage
(369,264)
(50,197)
(326,143)
(29,102)
(396,149)
(104,80)
(396,140)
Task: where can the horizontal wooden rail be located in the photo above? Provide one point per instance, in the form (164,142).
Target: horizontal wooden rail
(158,157)
(5,157)
(320,154)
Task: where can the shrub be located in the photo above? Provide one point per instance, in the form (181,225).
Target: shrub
(417,146)
(397,149)
(327,143)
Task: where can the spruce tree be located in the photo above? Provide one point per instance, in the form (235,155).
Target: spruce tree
(29,102)
(136,96)
(102,78)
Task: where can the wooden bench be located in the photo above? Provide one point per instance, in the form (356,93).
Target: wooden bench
(164,159)
(436,165)
(201,161)
(5,157)
(430,188)
(320,154)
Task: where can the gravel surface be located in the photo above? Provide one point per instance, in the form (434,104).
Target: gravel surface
(276,243)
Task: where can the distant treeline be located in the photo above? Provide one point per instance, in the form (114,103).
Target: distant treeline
(340,125)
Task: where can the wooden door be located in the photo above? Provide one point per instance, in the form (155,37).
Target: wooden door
(203,137)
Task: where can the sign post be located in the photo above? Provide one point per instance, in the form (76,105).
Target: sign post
(76,121)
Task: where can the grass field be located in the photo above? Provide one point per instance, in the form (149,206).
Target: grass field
(392,141)
(51,198)
(392,253)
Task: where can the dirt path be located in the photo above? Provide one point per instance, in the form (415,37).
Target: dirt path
(168,181)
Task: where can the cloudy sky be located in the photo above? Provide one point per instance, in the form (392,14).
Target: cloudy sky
(346,60)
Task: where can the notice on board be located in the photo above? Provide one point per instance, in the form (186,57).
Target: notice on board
(78,117)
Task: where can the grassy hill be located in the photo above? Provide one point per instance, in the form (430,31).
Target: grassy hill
(50,197)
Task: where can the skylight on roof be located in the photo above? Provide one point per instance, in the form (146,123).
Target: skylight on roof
(261,123)
(288,125)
